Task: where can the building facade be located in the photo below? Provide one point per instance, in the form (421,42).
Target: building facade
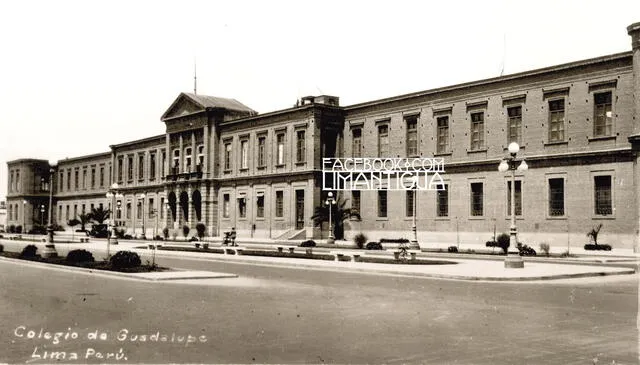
(223,165)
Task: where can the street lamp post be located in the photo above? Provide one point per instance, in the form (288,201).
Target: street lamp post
(42,214)
(50,248)
(143,235)
(509,163)
(330,202)
(112,194)
(414,226)
(24,216)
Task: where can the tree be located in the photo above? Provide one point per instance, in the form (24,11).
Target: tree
(201,229)
(84,218)
(99,215)
(339,213)
(593,233)
(72,223)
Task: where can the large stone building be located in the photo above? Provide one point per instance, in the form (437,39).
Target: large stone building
(222,164)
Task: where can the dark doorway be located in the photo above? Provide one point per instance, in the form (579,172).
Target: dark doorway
(172,205)
(184,206)
(197,204)
(299,209)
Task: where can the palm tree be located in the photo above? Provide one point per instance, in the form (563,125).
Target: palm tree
(339,213)
(84,218)
(99,215)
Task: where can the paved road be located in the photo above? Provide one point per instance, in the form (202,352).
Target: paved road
(280,315)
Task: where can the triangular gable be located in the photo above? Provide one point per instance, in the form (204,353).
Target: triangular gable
(183,105)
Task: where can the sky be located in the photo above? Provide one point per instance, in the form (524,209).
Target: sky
(78,76)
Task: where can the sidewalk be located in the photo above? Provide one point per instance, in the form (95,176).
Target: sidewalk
(459,269)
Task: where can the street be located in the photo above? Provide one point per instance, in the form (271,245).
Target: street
(287,315)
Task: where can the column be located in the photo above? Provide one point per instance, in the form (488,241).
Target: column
(634,31)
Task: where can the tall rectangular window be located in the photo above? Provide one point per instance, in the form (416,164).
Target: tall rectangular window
(200,158)
(356,143)
(603,202)
(163,163)
(11,184)
(176,161)
(244,154)
(84,178)
(120,169)
(67,214)
(602,115)
(188,157)
(152,166)
(18,182)
(260,206)
(262,157)
(162,208)
(75,210)
(227,156)
(556,197)
(556,120)
(242,207)
(443,134)
(518,198)
(61,182)
(279,203)
(477,131)
(76,179)
(139,210)
(301,150)
(412,135)
(515,124)
(68,179)
(130,168)
(382,203)
(355,202)
(383,141)
(442,202)
(225,205)
(128,212)
(101,176)
(280,147)
(151,209)
(477,204)
(409,202)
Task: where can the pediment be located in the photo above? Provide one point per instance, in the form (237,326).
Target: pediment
(182,106)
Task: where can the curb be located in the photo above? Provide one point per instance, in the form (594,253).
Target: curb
(135,276)
(352,268)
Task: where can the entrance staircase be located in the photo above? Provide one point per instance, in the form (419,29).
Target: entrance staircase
(293,234)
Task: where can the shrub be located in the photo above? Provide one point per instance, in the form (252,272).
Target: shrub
(201,228)
(158,238)
(38,229)
(185,230)
(360,239)
(452,249)
(594,247)
(308,243)
(125,260)
(193,239)
(119,232)
(491,244)
(11,229)
(394,240)
(58,228)
(165,233)
(18,229)
(373,245)
(78,256)
(127,236)
(503,242)
(525,250)
(544,247)
(29,251)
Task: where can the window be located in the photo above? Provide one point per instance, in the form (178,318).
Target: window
(260,206)
(410,202)
(162,208)
(382,203)
(187,159)
(75,210)
(518,198)
(151,210)
(242,207)
(477,131)
(556,120)
(280,146)
(443,134)
(244,154)
(77,180)
(602,115)
(477,207)
(61,182)
(200,163)
(84,178)
(355,202)
(18,182)
(556,197)
(356,143)
(262,158)
(225,205)
(442,202)
(68,179)
(101,176)
(139,210)
(128,212)
(602,191)
(412,135)
(383,141)
(140,166)
(514,124)
(83,209)
(130,168)
(176,161)
(67,214)
(120,169)
(300,147)
(163,164)
(279,204)
(59,217)
(152,166)
(93,177)
(227,156)
(12,182)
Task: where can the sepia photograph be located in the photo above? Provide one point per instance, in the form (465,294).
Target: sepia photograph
(335,182)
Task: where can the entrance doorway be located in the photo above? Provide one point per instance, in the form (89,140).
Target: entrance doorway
(299,209)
